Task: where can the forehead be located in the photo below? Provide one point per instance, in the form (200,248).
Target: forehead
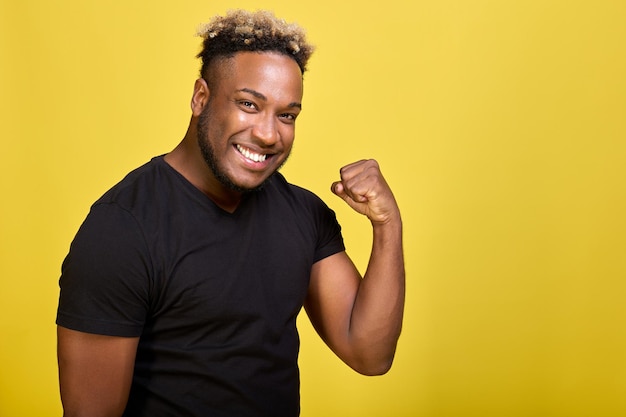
(267,72)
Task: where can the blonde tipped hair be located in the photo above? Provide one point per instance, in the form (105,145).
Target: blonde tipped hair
(260,31)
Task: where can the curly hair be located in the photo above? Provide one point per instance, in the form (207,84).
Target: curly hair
(260,31)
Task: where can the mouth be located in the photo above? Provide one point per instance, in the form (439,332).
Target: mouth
(252,156)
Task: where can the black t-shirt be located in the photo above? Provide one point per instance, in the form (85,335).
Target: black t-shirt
(212,295)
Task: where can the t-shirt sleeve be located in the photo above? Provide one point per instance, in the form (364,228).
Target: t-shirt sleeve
(105,278)
(330,240)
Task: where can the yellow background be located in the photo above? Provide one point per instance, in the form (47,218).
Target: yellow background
(501,126)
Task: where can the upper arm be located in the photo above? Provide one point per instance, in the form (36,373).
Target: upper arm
(95,372)
(332,292)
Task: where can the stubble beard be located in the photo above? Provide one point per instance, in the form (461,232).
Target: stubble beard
(208,154)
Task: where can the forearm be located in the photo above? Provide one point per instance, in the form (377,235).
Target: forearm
(365,319)
(377,313)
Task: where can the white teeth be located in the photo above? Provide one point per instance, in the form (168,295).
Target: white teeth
(251,155)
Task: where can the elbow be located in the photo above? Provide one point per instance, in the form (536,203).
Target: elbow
(372,367)
(372,359)
(375,371)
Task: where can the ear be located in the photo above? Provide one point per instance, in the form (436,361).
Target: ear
(200,96)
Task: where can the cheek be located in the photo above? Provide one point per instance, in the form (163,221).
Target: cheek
(223,121)
(236,123)
(287,134)
(218,131)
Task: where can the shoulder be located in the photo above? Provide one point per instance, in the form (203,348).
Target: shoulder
(140,203)
(278,184)
(285,199)
(303,206)
(138,185)
(311,215)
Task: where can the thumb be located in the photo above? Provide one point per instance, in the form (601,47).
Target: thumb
(337,189)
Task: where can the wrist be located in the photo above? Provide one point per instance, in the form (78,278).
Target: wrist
(392,226)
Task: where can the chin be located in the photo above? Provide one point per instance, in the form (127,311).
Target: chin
(242,186)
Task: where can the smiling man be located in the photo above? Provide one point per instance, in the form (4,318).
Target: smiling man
(180,293)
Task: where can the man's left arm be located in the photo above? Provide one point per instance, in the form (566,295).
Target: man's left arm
(360,318)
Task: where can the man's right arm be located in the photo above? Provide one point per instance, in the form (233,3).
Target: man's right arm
(95,372)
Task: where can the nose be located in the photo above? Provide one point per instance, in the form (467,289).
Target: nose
(265,130)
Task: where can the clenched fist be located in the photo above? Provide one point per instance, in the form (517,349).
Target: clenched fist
(363,187)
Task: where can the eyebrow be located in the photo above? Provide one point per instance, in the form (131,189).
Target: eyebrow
(260,96)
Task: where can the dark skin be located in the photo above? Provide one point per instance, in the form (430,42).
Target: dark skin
(252,106)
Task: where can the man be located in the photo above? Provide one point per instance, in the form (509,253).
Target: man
(180,293)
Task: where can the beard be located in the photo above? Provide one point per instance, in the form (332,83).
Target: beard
(208,154)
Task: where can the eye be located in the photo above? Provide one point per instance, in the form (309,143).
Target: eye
(246,104)
(288,117)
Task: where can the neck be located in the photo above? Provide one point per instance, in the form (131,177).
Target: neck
(187,160)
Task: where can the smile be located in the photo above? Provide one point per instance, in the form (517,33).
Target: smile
(256,157)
